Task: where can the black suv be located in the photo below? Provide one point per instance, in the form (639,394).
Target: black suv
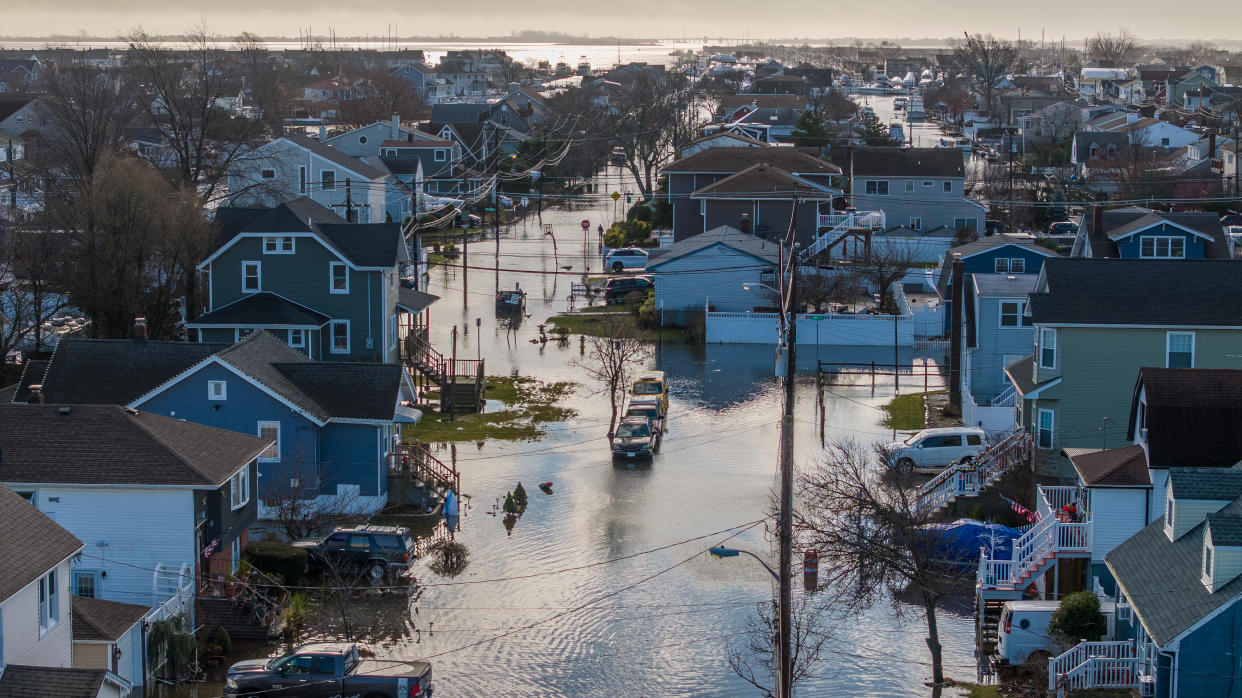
(373,550)
(616,290)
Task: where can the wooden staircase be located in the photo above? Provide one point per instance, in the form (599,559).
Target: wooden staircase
(460,380)
(252,611)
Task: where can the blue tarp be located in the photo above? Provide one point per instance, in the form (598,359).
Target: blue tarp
(962,539)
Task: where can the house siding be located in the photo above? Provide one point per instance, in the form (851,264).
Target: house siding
(247,187)
(987,369)
(985,263)
(1130,247)
(722,271)
(353,455)
(20,612)
(1116,515)
(1209,660)
(933,204)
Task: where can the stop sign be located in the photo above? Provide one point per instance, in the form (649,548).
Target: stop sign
(586,225)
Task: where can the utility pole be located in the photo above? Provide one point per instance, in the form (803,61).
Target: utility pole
(784,678)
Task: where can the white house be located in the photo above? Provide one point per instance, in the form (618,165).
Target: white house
(710,270)
(1155,133)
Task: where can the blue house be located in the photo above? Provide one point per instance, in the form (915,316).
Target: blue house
(333,425)
(998,333)
(1135,232)
(995,254)
(330,289)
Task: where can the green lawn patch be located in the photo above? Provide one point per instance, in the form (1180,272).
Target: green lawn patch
(975,690)
(529,404)
(906,412)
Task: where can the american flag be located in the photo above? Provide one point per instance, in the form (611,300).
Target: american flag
(1031,516)
(211,548)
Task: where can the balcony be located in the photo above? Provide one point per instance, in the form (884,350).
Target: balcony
(867,220)
(1063,530)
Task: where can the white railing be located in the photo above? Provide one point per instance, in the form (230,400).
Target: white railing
(968,479)
(1032,551)
(835,232)
(872,220)
(1083,651)
(1097,665)
(1005,398)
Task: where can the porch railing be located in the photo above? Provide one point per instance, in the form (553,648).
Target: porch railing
(968,479)
(1096,665)
(415,459)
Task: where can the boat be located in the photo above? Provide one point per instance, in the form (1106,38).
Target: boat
(511,300)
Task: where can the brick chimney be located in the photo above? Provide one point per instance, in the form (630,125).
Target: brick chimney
(1097,219)
(140,330)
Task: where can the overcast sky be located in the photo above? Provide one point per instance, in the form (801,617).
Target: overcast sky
(1150,19)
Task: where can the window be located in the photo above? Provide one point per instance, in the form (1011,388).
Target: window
(362,140)
(277,245)
(252,277)
(338,275)
(1168,512)
(974,440)
(909,185)
(340,336)
(949,441)
(948,187)
(324,665)
(1048,347)
(86,583)
(49,601)
(336,541)
(964,224)
(270,430)
(1142,419)
(362,543)
(1179,350)
(1046,420)
(1017,265)
(441,155)
(876,187)
(1010,313)
(240,333)
(269,174)
(1207,561)
(1002,265)
(297,338)
(928,183)
(1162,247)
(327,180)
(302,179)
(239,484)
(217,390)
(916,223)
(1164,141)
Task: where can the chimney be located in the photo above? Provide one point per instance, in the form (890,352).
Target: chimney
(140,329)
(396,127)
(323,133)
(36,394)
(1097,219)
(744,224)
(1211,144)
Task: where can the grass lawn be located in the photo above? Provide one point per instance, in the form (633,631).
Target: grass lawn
(974,690)
(906,412)
(592,323)
(529,403)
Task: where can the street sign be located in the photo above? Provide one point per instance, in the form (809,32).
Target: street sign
(490,209)
(586,225)
(525,201)
(616,196)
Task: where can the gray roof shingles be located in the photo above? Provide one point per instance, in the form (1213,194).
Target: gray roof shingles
(261,309)
(907,162)
(731,160)
(335,156)
(763,181)
(112,445)
(30,543)
(724,235)
(1120,222)
(1210,484)
(97,619)
(1192,416)
(20,681)
(116,371)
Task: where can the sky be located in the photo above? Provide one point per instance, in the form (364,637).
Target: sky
(1149,19)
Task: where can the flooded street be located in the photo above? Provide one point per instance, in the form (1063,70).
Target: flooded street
(600,586)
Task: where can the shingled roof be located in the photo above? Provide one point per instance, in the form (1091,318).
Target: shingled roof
(116,371)
(113,445)
(30,543)
(264,309)
(1121,222)
(363,244)
(1192,416)
(19,681)
(107,621)
(763,181)
(1116,467)
(907,162)
(335,156)
(731,160)
(1174,293)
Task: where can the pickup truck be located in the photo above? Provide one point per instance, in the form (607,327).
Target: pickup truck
(323,669)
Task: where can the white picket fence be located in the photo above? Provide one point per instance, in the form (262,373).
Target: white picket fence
(825,329)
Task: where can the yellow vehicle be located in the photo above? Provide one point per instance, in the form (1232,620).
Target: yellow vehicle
(652,385)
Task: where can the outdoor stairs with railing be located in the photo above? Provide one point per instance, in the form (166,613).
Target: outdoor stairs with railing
(971,478)
(251,609)
(837,225)
(460,380)
(1091,665)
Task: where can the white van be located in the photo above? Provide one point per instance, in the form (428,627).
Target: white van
(931,450)
(1023,630)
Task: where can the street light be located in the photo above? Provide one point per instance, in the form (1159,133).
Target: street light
(723,552)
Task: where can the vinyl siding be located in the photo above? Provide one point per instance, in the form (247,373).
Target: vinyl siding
(1209,661)
(92,655)
(138,529)
(935,206)
(713,275)
(995,343)
(1130,247)
(1116,515)
(22,644)
(247,187)
(1099,366)
(352,456)
(1188,513)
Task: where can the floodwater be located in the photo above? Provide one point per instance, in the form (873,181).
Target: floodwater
(594,591)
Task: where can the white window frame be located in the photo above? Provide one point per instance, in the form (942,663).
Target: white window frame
(300,343)
(440,155)
(916,222)
(909,185)
(323,184)
(1039,428)
(258,276)
(1157,241)
(1001,265)
(332,267)
(239,485)
(1044,333)
(1017,314)
(1168,346)
(948,186)
(1017,265)
(332,336)
(49,602)
(874,184)
(1207,562)
(264,457)
(211,390)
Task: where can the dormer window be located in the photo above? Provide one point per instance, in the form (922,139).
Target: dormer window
(1207,562)
(1168,515)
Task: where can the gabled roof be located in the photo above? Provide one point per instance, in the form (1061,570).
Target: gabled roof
(907,162)
(335,156)
(115,371)
(30,543)
(1224,528)
(107,621)
(19,681)
(1192,416)
(1206,484)
(459,113)
(1162,579)
(1119,223)
(1146,292)
(1185,221)
(992,242)
(730,135)
(730,103)
(261,309)
(367,245)
(1016,285)
(763,181)
(724,236)
(1116,467)
(10,105)
(1021,373)
(732,160)
(113,445)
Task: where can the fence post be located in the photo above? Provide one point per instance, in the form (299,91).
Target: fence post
(873,376)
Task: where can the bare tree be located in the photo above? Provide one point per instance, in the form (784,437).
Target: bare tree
(644,120)
(986,60)
(825,289)
(85,111)
(833,106)
(29,264)
(269,91)
(611,360)
(382,95)
(300,514)
(873,541)
(755,662)
(885,265)
(1117,49)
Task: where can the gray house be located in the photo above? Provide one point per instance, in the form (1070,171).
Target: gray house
(710,270)
(919,188)
(999,332)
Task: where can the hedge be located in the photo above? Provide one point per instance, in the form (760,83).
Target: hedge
(278,559)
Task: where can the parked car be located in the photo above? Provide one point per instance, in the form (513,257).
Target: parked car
(652,385)
(931,450)
(616,290)
(1063,227)
(635,438)
(649,410)
(624,258)
(373,550)
(328,669)
(1023,630)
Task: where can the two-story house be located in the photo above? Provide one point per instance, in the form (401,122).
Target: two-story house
(995,254)
(695,202)
(367,140)
(1098,321)
(920,188)
(295,166)
(998,332)
(146,492)
(328,427)
(1135,232)
(329,289)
